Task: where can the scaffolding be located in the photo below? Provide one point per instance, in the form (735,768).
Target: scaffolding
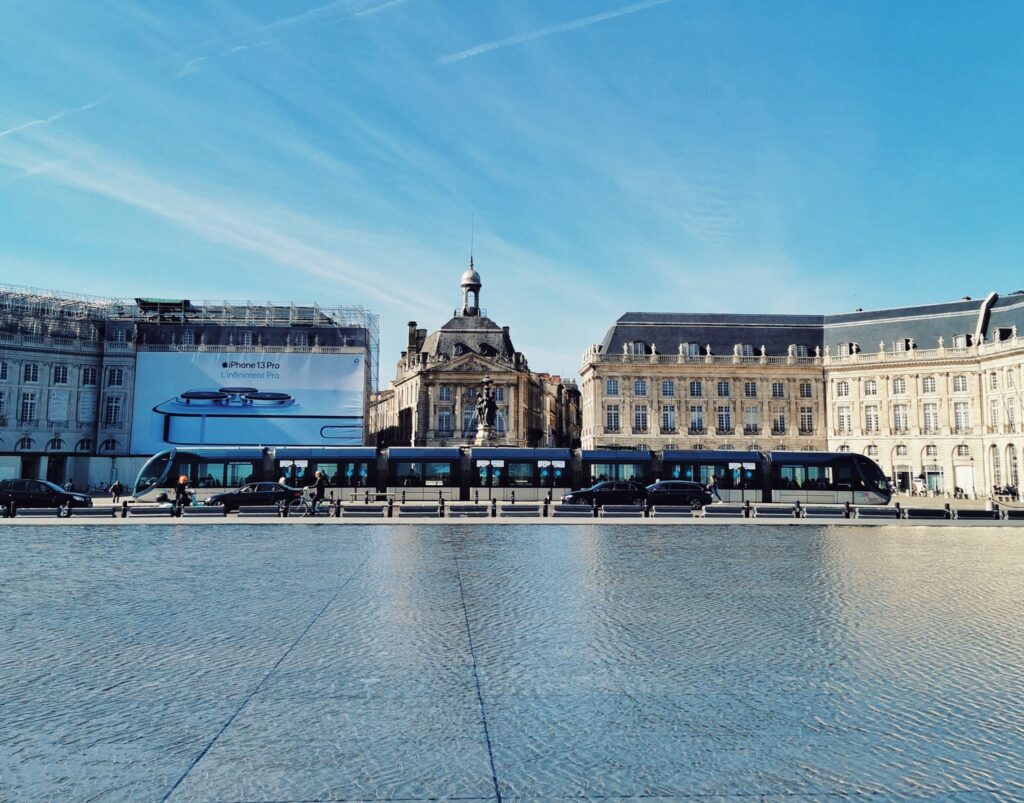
(37,313)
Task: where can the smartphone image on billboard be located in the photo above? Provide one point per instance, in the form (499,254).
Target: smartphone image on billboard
(246,416)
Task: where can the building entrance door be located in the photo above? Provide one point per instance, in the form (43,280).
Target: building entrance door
(30,467)
(963,478)
(55,469)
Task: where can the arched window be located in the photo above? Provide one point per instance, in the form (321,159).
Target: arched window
(1011,466)
(25,444)
(109,445)
(901,450)
(55,445)
(84,445)
(997,469)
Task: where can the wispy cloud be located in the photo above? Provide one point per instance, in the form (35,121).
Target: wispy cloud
(551,29)
(44,121)
(279,235)
(193,64)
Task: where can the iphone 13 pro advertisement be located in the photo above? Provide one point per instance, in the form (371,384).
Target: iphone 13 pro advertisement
(247,399)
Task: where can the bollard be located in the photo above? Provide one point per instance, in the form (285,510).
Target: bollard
(494,508)
(547,499)
(544,510)
(797,510)
(440,505)
(403,497)
(391,507)
(124,509)
(284,509)
(847,512)
(337,509)
(949,513)
(899,511)
(512,496)
(476,497)
(746,509)
(366,498)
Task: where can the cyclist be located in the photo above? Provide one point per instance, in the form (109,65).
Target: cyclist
(319,487)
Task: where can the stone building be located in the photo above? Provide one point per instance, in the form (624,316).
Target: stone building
(705,381)
(934,394)
(432,400)
(69,363)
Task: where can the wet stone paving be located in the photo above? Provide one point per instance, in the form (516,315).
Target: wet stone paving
(502,663)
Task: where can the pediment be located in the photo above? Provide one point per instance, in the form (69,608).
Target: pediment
(470,364)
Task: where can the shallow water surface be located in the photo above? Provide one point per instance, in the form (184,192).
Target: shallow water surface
(424,662)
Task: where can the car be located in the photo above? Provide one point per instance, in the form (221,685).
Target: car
(609,492)
(678,492)
(256,493)
(16,494)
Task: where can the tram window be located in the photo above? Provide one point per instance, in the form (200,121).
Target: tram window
(520,474)
(352,475)
(599,472)
(792,477)
(408,473)
(437,473)
(239,474)
(206,475)
(631,471)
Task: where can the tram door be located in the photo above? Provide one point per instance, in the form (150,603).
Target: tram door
(489,475)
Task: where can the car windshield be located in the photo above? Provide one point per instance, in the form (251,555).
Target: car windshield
(51,486)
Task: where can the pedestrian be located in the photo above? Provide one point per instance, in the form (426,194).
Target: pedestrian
(69,486)
(283,480)
(319,486)
(116,489)
(713,487)
(182,497)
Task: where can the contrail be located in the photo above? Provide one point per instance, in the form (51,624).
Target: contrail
(541,32)
(53,117)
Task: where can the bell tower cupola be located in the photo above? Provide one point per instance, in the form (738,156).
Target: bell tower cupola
(470,285)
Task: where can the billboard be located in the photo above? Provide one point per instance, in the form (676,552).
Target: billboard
(247,399)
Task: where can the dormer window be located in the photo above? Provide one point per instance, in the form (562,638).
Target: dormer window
(638,348)
(692,349)
(747,350)
(961,341)
(801,351)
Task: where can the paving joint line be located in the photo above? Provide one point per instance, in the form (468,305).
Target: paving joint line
(260,685)
(476,676)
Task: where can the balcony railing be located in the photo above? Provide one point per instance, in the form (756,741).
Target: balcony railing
(697,431)
(28,422)
(779,430)
(724,431)
(668,430)
(751,429)
(612,430)
(806,430)
(640,430)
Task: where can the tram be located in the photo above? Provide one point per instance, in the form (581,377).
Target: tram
(508,473)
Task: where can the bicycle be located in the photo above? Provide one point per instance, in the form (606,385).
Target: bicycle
(306,505)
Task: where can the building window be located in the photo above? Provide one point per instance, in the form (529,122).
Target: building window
(109,445)
(1011,416)
(668,388)
(899,386)
(778,390)
(843,388)
(931,417)
(88,376)
(960,384)
(779,422)
(696,389)
(611,387)
(724,417)
(115,377)
(747,349)
(900,420)
(119,335)
(751,420)
(611,418)
(993,413)
(444,393)
(301,340)
(245,339)
(25,443)
(29,407)
(750,390)
(806,420)
(60,375)
(963,450)
(696,419)
(871,418)
(188,338)
(801,351)
(84,445)
(640,418)
(844,449)
(870,387)
(112,412)
(928,384)
(668,417)
(639,348)
(639,387)
(931,451)
(961,416)
(901,450)
(30,372)
(997,469)
(723,389)
(692,349)
(960,341)
(444,422)
(843,421)
(3,369)
(805,390)
(499,394)
(993,382)
(872,451)
(3,403)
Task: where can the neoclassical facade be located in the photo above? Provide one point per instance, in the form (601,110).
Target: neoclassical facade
(432,400)
(934,394)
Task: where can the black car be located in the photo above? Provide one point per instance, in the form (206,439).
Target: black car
(256,493)
(678,492)
(39,493)
(608,493)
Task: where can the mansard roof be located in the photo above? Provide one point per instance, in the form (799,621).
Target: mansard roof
(477,334)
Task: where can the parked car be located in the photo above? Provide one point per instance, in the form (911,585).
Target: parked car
(256,493)
(39,493)
(608,493)
(678,492)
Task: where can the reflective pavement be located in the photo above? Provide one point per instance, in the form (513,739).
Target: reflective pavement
(431,662)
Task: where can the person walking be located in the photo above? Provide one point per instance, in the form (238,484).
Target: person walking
(319,486)
(713,487)
(116,489)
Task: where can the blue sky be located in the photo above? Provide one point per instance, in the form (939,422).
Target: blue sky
(660,156)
